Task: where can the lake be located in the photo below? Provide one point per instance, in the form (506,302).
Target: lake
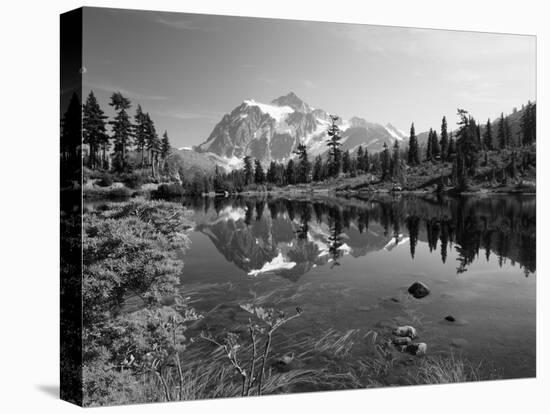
(348,263)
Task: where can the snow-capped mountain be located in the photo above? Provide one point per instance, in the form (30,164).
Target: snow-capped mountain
(273,131)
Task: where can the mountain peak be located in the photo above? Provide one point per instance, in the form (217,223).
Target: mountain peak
(292,100)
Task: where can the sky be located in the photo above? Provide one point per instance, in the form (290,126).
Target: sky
(188,70)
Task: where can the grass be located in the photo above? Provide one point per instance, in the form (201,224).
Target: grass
(448,370)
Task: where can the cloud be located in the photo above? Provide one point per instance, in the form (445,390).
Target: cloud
(128,93)
(189,114)
(185,23)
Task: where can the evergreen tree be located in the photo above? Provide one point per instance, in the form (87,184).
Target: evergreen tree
(304,165)
(452,146)
(154,144)
(488,136)
(528,124)
(271,175)
(318,169)
(140,132)
(165,146)
(122,129)
(346,162)
(93,129)
(429,145)
(366,161)
(396,171)
(507,133)
(385,162)
(335,153)
(248,171)
(444,143)
(467,148)
(436,150)
(413,157)
(501,132)
(290,172)
(360,159)
(259,175)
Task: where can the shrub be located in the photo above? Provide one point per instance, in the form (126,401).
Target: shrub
(119,192)
(133,180)
(169,190)
(106,180)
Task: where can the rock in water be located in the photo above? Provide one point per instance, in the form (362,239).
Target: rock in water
(416,349)
(450,318)
(408,331)
(419,290)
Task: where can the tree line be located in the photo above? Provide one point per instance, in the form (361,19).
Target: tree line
(138,134)
(462,151)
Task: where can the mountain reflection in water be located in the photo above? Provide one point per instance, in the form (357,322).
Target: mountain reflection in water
(289,237)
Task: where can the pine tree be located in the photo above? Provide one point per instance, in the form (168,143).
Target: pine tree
(166,148)
(122,129)
(304,165)
(452,146)
(501,132)
(290,172)
(413,157)
(335,153)
(259,175)
(385,162)
(248,171)
(93,129)
(488,136)
(436,151)
(396,172)
(366,161)
(507,133)
(346,162)
(140,132)
(360,159)
(271,175)
(528,124)
(444,143)
(153,143)
(318,169)
(429,145)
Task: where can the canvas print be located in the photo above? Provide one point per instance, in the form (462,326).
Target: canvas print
(279,206)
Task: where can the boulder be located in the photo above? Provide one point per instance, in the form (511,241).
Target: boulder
(419,290)
(416,349)
(408,331)
(402,340)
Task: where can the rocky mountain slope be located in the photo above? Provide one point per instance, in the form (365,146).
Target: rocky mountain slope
(272,131)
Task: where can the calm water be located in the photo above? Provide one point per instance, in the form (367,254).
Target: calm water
(348,264)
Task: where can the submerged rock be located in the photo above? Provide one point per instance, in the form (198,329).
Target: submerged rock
(416,349)
(405,331)
(459,342)
(419,290)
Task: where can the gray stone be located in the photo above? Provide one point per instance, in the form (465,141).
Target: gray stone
(417,349)
(402,340)
(419,290)
(405,331)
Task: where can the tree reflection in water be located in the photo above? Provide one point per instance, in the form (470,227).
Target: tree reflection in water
(309,232)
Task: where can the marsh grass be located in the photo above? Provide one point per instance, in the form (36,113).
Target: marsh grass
(447,370)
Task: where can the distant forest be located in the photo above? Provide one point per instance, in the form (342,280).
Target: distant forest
(133,145)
